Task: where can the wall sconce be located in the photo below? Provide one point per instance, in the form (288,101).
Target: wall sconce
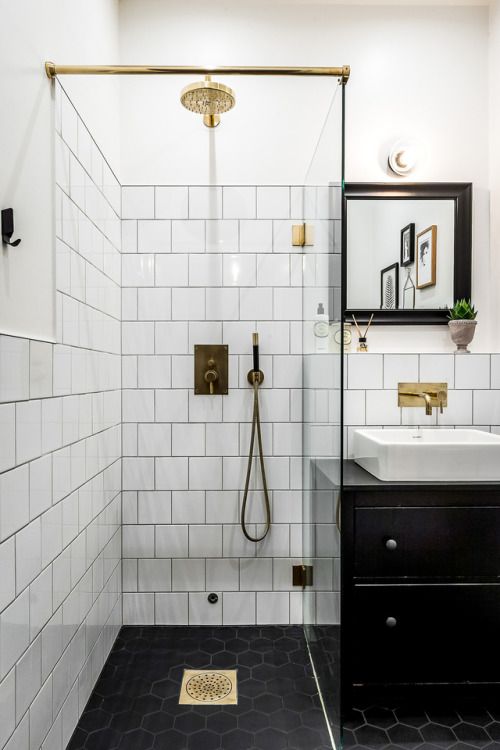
(403,157)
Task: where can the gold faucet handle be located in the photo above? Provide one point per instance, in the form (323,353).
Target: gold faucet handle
(211,376)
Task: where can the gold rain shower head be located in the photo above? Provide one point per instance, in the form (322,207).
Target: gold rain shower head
(208,98)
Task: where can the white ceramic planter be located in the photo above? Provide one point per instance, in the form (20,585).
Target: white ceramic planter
(462,332)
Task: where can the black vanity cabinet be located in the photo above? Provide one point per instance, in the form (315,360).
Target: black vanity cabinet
(420,583)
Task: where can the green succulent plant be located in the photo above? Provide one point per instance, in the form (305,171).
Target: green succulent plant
(462,310)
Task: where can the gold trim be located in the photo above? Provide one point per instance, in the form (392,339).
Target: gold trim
(52,70)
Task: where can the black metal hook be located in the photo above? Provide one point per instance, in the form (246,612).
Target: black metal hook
(8,227)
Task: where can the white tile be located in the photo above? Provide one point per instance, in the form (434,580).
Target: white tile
(472,371)
(129,236)
(354,406)
(138,541)
(171,338)
(222,439)
(239,608)
(138,609)
(188,507)
(365,371)
(14,500)
(486,407)
(7,436)
(40,598)
(256,303)
(276,543)
(171,406)
(202,612)
(205,202)
(188,440)
(154,440)
(129,303)
(205,541)
(28,430)
(256,574)
(69,123)
(222,507)
(222,236)
(138,405)
(8,577)
(222,304)
(272,608)
(188,575)
(495,370)
(14,632)
(154,507)
(459,409)
(239,270)
(287,506)
(138,338)
(398,368)
(153,371)
(28,677)
(238,336)
(138,202)
(188,304)
(171,541)
(273,202)
(273,270)
(41,715)
(154,575)
(138,270)
(223,575)
(438,368)
(188,236)
(138,474)
(239,202)
(171,270)
(154,236)
(205,473)
(208,332)
(171,202)
(234,543)
(287,303)
(205,270)
(28,554)
(256,236)
(40,369)
(287,439)
(327,608)
(171,609)
(8,709)
(129,575)
(382,408)
(154,304)
(171,473)
(274,336)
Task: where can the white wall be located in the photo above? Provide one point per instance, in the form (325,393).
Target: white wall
(410,77)
(494,160)
(32,33)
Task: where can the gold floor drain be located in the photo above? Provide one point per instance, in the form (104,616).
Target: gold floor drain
(209,687)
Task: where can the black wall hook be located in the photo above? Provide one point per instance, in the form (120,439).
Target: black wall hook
(8,227)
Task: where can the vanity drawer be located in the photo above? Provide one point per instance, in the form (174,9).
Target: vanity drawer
(419,634)
(430,542)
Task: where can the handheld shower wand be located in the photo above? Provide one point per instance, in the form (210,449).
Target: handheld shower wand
(255,378)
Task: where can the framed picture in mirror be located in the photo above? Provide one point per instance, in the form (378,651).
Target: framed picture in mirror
(408,245)
(426,257)
(389,287)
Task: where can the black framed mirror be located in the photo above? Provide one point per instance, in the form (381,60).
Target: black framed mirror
(407,250)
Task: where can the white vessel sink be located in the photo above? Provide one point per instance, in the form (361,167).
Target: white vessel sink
(414,455)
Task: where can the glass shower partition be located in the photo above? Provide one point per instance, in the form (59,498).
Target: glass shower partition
(322,336)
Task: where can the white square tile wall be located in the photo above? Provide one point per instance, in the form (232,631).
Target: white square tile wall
(372,382)
(230,269)
(60,464)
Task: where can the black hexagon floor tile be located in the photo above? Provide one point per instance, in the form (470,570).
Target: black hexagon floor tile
(135,702)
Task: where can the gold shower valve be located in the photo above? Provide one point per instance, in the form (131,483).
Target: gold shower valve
(210,369)
(211,376)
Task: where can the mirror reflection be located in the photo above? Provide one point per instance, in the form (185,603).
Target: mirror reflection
(401,254)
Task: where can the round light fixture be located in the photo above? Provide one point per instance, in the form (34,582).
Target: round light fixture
(403,157)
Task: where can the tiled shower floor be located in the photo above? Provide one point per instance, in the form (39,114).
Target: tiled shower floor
(134,705)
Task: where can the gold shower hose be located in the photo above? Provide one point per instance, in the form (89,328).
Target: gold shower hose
(256,429)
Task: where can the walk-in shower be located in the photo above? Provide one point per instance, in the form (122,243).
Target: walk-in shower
(230,560)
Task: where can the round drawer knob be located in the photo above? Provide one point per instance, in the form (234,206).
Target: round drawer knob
(391,622)
(391,544)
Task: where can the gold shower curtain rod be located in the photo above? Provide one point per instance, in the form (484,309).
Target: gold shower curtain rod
(54,70)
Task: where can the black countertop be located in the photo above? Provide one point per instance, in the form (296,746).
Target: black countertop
(356,478)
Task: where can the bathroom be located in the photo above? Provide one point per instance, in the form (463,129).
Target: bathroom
(163,264)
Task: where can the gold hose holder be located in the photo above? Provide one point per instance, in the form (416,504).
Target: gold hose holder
(254,375)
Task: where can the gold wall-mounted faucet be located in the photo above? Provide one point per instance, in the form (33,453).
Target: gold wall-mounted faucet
(431,394)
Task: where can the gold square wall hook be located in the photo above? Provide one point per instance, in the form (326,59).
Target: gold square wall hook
(302,235)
